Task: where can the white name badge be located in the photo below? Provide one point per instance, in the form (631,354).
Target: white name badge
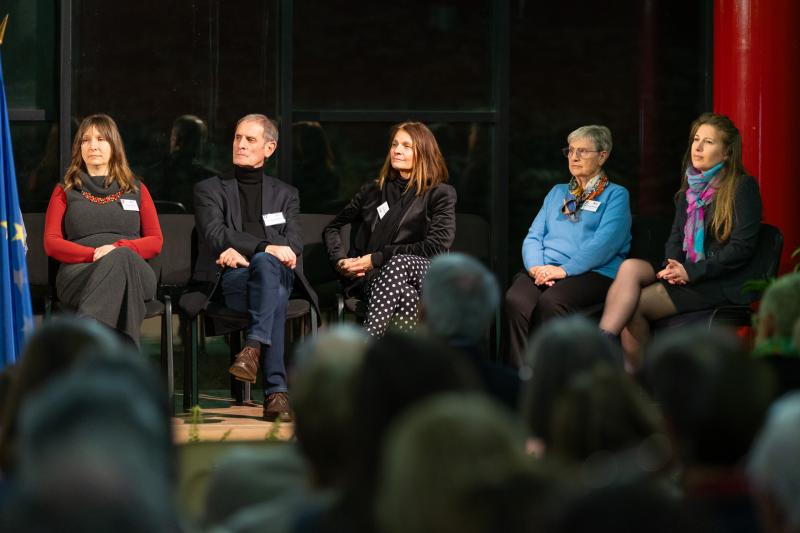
(272,219)
(129,205)
(383,209)
(590,205)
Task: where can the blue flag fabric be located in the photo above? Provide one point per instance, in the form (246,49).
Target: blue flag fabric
(15,295)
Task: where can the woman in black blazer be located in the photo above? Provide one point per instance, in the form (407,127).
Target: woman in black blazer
(398,222)
(713,238)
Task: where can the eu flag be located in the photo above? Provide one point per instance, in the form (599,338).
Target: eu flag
(15,295)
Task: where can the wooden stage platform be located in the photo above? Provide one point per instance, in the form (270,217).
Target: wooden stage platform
(219,419)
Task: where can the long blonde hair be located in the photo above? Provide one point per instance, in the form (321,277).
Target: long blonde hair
(118,168)
(729,176)
(429,168)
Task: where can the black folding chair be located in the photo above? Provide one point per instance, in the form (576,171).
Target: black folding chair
(40,268)
(766,260)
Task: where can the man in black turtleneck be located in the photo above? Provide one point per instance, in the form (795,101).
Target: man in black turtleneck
(247,224)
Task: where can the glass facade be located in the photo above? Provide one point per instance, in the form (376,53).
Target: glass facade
(421,55)
(30,71)
(176,80)
(177,75)
(635,66)
(333,159)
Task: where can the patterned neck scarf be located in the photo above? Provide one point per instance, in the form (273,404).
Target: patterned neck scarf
(577,195)
(700,193)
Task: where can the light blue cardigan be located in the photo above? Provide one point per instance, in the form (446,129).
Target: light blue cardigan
(598,241)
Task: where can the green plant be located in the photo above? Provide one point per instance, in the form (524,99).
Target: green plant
(760,285)
(194,424)
(273,433)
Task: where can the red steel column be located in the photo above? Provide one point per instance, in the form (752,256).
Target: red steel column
(757,84)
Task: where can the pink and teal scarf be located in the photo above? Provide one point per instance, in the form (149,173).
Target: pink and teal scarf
(699,194)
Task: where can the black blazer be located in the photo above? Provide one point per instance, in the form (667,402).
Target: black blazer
(425,227)
(725,263)
(218,218)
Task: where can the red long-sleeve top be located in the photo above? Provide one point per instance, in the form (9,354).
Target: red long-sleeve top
(65,251)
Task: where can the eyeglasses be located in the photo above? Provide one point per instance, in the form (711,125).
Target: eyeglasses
(583,153)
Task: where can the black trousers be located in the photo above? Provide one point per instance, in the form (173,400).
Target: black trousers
(528,306)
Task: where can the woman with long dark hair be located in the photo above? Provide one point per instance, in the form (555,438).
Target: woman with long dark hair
(399,221)
(714,236)
(101,225)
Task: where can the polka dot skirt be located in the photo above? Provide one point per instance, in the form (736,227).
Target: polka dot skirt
(393,295)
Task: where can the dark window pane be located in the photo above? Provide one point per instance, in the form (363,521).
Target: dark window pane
(29,54)
(378,55)
(333,160)
(636,67)
(36,161)
(217,64)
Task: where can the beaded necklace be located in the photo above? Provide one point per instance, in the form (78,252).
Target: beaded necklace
(102,200)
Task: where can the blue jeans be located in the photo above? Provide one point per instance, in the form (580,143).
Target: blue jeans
(263,289)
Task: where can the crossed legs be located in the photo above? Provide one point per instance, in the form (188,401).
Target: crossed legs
(263,289)
(633,301)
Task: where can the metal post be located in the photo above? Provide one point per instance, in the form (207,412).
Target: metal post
(65,87)
(501,22)
(285,119)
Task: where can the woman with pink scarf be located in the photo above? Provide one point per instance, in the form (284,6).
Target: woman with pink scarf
(713,238)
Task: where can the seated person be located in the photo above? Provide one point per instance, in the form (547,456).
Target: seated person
(400,221)
(714,235)
(778,312)
(459,300)
(558,352)
(778,316)
(102,226)
(575,244)
(714,398)
(773,469)
(248,242)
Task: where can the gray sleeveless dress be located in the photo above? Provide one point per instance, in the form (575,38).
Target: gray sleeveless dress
(114,289)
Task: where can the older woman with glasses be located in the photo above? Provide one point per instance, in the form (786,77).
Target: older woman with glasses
(574,245)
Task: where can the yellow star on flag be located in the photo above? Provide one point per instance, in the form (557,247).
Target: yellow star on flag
(19,232)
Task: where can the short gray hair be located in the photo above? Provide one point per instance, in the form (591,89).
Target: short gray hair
(270,129)
(460,297)
(600,136)
(773,466)
(782,301)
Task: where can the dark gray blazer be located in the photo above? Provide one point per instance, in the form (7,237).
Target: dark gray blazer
(218,218)
(726,263)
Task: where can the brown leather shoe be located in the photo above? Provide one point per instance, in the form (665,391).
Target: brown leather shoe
(245,367)
(276,405)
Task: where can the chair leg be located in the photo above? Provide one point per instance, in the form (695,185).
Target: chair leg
(190,392)
(202,339)
(237,389)
(167,342)
(340,308)
(314,325)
